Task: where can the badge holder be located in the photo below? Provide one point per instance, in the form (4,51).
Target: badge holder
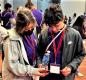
(55,68)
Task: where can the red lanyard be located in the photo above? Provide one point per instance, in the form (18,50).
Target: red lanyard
(56,50)
(32,45)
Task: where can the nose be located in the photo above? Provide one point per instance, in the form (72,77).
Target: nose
(29,29)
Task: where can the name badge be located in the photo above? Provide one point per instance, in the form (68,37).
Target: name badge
(54,68)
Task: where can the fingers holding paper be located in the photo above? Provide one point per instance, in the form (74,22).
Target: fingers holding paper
(66,71)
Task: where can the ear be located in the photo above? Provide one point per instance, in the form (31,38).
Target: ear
(63,18)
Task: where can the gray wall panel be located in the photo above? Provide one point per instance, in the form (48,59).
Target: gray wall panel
(18,3)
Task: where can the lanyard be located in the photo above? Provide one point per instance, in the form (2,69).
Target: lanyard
(31,43)
(56,50)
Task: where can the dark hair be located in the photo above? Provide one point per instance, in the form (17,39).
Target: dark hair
(56,1)
(74,15)
(24,17)
(7,5)
(78,25)
(79,21)
(29,5)
(53,14)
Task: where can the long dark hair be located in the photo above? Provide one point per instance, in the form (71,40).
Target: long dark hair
(78,25)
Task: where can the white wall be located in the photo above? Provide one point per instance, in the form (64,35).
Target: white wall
(1,5)
(34,2)
(73,6)
(43,4)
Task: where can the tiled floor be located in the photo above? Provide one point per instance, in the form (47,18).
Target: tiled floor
(82,69)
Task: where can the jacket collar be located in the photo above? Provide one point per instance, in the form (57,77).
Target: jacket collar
(13,35)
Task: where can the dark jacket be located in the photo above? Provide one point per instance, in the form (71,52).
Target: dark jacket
(72,54)
(6,16)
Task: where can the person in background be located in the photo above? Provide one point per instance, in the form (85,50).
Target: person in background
(85,14)
(0,17)
(69,21)
(80,25)
(65,20)
(20,56)
(7,15)
(37,14)
(84,27)
(73,19)
(7,20)
(66,50)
